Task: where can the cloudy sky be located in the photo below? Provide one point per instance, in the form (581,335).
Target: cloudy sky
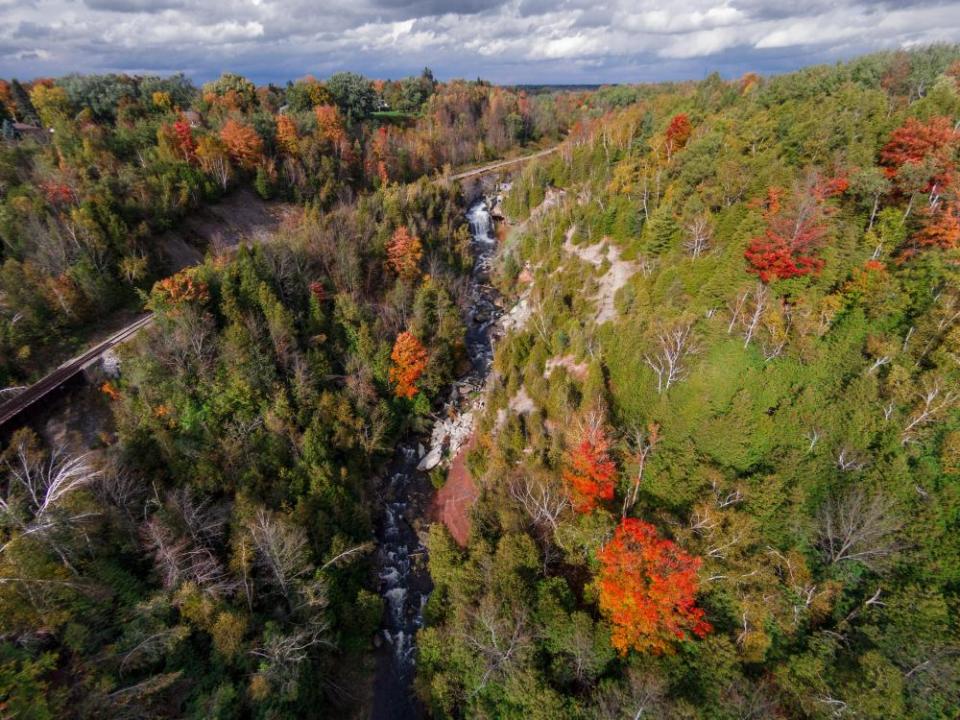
(507,41)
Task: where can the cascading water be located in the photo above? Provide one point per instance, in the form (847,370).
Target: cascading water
(406,495)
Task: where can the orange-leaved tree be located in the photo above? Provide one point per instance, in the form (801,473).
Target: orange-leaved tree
(409,361)
(330,126)
(404,252)
(648,588)
(942,227)
(243,143)
(589,472)
(184,288)
(287,137)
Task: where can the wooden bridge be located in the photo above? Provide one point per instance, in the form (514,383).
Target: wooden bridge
(33,394)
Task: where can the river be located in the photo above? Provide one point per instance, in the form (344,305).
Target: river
(406,494)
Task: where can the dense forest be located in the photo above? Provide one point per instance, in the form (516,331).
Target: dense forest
(718,460)
(94,169)
(718,466)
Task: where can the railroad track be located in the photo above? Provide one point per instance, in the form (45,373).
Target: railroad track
(50,383)
(40,389)
(483,170)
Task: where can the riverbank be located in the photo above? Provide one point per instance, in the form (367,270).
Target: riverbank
(407,495)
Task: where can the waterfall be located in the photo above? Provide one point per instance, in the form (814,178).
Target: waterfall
(481,224)
(405,583)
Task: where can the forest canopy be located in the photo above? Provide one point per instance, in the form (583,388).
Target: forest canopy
(716,461)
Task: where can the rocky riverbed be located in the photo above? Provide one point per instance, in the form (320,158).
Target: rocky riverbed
(406,494)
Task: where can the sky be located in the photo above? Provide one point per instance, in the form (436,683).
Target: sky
(512,41)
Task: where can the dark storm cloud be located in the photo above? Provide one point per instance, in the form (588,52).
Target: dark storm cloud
(32,30)
(420,8)
(504,40)
(133,6)
(782,9)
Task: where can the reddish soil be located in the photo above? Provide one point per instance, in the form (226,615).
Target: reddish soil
(453,501)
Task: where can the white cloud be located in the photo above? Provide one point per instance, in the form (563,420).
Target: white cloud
(505,40)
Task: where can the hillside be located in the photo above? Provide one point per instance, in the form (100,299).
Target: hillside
(709,355)
(718,464)
(113,182)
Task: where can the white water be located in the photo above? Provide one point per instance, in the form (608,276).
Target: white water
(405,585)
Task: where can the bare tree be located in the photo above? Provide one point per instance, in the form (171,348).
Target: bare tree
(35,497)
(121,489)
(736,310)
(283,654)
(145,699)
(752,699)
(878,363)
(543,502)
(643,442)
(675,345)
(169,551)
(282,551)
(699,233)
(857,527)
(641,695)
(204,522)
(181,537)
(188,345)
(849,459)
(751,320)
(935,399)
(218,165)
(499,637)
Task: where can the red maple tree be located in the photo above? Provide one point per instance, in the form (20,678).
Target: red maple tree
(183,139)
(648,588)
(831,187)
(409,361)
(404,252)
(785,250)
(57,193)
(921,152)
(678,132)
(589,472)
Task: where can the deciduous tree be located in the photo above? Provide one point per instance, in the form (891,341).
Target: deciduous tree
(214,160)
(793,234)
(589,472)
(920,155)
(648,588)
(677,134)
(243,144)
(404,252)
(287,135)
(409,361)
